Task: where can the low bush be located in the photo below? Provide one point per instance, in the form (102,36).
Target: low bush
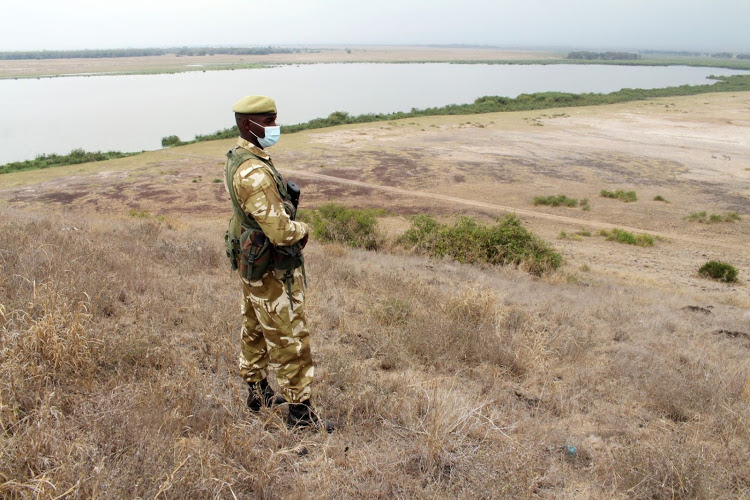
(718,270)
(628,238)
(507,242)
(626,196)
(171,140)
(555,201)
(659,197)
(352,227)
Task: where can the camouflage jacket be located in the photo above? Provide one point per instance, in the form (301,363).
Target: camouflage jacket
(258,196)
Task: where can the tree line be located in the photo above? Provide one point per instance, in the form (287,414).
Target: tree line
(179,51)
(606,56)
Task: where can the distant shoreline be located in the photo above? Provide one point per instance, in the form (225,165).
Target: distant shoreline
(174,63)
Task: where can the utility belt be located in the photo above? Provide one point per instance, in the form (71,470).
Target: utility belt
(253,255)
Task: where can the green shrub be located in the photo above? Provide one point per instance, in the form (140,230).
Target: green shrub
(171,140)
(719,271)
(628,238)
(626,196)
(659,197)
(507,242)
(585,204)
(353,227)
(555,201)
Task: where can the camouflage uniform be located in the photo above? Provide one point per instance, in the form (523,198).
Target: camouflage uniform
(274,333)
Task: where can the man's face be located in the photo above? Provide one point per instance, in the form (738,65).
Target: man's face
(256,124)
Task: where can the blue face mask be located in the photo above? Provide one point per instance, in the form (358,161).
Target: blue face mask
(271,137)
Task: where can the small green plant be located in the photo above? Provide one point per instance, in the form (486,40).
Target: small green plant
(555,201)
(353,227)
(718,270)
(585,204)
(565,236)
(216,181)
(628,238)
(659,197)
(584,232)
(507,242)
(626,196)
(139,214)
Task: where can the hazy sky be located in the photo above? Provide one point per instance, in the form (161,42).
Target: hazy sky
(634,24)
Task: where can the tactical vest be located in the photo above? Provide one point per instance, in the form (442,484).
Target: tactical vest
(248,248)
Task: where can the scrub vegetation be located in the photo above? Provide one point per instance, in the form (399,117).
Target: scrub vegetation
(622,236)
(626,196)
(719,271)
(556,201)
(704,218)
(118,376)
(505,243)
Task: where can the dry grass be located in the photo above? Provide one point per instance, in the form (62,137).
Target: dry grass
(118,341)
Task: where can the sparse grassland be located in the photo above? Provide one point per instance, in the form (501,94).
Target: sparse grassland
(704,218)
(625,196)
(118,377)
(556,201)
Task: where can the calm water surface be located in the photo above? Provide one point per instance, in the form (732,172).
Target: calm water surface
(133,112)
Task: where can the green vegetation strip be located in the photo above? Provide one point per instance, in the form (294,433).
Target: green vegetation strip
(73,158)
(486,104)
(704,218)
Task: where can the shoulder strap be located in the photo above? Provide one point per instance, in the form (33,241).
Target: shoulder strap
(234,160)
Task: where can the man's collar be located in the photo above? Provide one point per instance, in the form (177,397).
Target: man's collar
(252,148)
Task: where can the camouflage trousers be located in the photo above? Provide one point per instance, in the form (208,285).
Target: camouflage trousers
(274,335)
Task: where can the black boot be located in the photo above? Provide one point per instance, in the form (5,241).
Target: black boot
(301,415)
(261,395)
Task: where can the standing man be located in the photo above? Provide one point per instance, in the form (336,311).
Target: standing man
(265,244)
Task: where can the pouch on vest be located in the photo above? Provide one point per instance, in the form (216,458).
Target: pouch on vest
(255,254)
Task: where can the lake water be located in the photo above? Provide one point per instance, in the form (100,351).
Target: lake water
(133,112)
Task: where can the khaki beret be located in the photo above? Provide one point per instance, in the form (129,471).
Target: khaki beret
(255,105)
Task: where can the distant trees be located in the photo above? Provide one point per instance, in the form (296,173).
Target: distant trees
(179,51)
(606,56)
(723,55)
(743,56)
